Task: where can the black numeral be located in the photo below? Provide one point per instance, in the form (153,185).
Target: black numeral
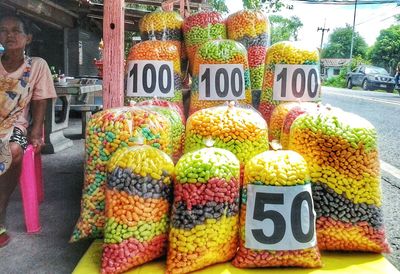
(260,215)
(309,82)
(222,76)
(149,74)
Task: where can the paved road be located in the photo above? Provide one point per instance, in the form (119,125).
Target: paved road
(383,111)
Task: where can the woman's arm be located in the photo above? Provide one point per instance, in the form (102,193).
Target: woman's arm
(38,108)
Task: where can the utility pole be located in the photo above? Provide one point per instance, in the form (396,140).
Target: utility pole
(323,29)
(352,34)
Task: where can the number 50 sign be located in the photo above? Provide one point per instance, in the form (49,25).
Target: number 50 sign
(279,218)
(296,82)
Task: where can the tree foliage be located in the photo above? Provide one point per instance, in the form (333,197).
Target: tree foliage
(284,29)
(265,5)
(386,50)
(340,43)
(218,5)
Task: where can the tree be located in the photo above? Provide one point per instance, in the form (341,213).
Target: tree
(218,5)
(340,43)
(386,50)
(283,29)
(265,5)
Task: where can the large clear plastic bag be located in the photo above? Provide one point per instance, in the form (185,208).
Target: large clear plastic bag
(224,52)
(163,26)
(177,126)
(159,51)
(342,155)
(290,117)
(241,130)
(107,131)
(251,28)
(138,196)
(279,114)
(199,28)
(204,220)
(289,53)
(288,170)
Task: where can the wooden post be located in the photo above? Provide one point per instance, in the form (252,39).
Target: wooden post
(113,54)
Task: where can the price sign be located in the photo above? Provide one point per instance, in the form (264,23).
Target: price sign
(296,82)
(148,78)
(280,218)
(221,82)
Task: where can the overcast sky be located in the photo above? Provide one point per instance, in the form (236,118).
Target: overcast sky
(370,19)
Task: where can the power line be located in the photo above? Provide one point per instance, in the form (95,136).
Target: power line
(349,2)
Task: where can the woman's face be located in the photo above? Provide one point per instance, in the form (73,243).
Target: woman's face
(12,34)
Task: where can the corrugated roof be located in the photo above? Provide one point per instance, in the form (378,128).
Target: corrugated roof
(334,62)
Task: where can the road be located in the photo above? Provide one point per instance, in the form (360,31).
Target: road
(383,111)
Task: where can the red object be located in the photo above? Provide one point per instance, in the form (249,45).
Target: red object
(4,239)
(99,66)
(31,186)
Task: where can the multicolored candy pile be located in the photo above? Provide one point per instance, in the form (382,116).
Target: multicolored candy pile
(290,53)
(204,221)
(251,28)
(159,51)
(240,130)
(199,28)
(138,195)
(291,116)
(277,118)
(107,131)
(274,168)
(162,26)
(342,155)
(218,52)
(177,128)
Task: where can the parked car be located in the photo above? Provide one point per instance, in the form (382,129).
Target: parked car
(370,78)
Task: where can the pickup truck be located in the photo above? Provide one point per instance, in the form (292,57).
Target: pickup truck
(370,78)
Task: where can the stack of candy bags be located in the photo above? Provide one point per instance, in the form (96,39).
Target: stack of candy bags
(197,211)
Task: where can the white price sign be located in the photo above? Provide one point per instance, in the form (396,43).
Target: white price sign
(221,82)
(148,78)
(296,83)
(279,218)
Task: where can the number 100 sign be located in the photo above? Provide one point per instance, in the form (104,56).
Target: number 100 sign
(221,82)
(296,83)
(279,218)
(148,78)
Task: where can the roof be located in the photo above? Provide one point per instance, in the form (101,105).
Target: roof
(334,62)
(68,13)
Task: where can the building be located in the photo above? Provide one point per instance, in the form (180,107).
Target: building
(332,66)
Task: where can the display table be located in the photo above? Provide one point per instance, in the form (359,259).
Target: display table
(54,130)
(334,262)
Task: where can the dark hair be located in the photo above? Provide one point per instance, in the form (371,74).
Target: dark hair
(26,25)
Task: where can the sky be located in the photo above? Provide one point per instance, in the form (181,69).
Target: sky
(370,19)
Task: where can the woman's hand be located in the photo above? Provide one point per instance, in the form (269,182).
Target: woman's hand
(36,133)
(36,139)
